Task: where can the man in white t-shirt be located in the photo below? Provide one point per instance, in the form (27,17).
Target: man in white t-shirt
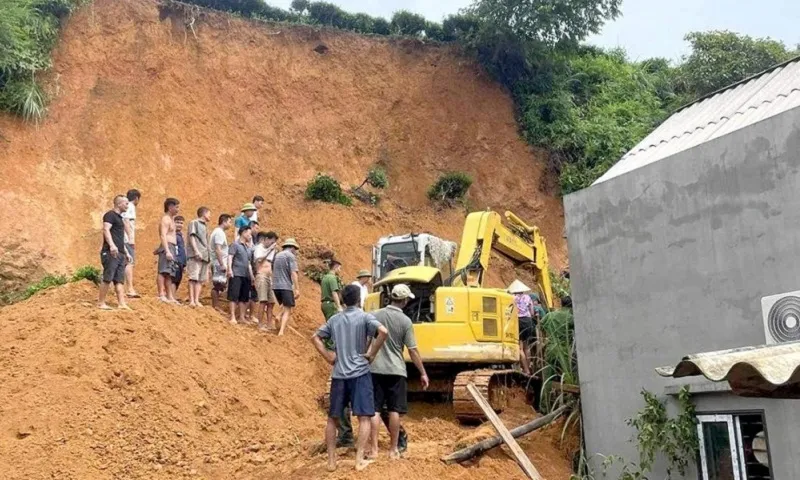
(363,279)
(258,202)
(129,219)
(218,247)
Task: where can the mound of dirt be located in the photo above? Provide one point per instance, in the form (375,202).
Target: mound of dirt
(212,110)
(166,392)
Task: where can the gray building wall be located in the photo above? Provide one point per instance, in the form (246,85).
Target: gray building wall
(672,259)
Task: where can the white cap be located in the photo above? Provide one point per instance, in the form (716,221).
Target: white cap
(401,292)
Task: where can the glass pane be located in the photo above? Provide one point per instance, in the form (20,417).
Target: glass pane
(755,449)
(396,255)
(717,444)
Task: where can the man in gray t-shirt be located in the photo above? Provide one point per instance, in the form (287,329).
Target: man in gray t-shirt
(351,383)
(285,281)
(389,376)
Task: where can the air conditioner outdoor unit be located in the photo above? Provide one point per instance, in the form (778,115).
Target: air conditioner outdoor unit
(781,317)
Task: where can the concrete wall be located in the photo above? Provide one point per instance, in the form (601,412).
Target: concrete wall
(673,258)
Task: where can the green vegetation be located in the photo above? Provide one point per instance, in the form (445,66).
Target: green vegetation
(720,58)
(86,272)
(377,177)
(326,189)
(657,434)
(28,33)
(450,187)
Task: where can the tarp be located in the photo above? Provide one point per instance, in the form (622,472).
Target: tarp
(765,371)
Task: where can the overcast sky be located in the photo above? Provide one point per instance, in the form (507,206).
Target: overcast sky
(647,28)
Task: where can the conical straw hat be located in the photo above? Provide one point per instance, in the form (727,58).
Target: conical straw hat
(518,287)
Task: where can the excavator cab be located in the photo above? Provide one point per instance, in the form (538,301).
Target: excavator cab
(412,250)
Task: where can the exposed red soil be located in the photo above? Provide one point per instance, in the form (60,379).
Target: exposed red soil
(240,109)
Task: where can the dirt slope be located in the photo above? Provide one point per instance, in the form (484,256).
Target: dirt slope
(213,116)
(166,392)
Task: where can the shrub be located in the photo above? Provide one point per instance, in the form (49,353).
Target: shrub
(380,26)
(48,281)
(28,33)
(434,31)
(450,187)
(363,23)
(407,23)
(377,178)
(329,14)
(87,272)
(326,189)
(300,6)
(459,27)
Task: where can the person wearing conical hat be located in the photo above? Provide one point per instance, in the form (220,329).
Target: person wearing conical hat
(362,281)
(525,311)
(244,218)
(285,281)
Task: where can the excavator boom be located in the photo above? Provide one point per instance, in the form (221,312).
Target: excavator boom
(484,232)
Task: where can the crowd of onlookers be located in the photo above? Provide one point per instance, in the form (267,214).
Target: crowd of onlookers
(253,269)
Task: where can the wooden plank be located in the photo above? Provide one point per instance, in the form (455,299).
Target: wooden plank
(522,459)
(472,451)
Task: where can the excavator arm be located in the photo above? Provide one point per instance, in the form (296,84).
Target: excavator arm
(484,232)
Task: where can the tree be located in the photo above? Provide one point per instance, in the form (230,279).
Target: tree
(547,21)
(721,58)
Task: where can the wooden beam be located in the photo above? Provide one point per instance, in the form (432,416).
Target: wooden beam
(474,450)
(522,459)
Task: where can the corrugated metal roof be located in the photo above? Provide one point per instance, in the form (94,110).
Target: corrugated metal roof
(745,103)
(766,371)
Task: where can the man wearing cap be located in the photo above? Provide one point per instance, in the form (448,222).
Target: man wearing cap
(351,383)
(285,281)
(362,281)
(329,286)
(389,375)
(244,218)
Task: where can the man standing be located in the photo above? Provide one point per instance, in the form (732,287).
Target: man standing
(219,259)
(240,275)
(362,282)
(199,256)
(244,218)
(351,381)
(285,281)
(263,256)
(180,254)
(258,202)
(129,217)
(167,251)
(113,255)
(389,376)
(331,303)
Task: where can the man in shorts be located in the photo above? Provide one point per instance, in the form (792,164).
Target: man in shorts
(285,280)
(129,216)
(180,254)
(113,255)
(198,255)
(263,256)
(351,381)
(389,375)
(167,251)
(240,275)
(219,259)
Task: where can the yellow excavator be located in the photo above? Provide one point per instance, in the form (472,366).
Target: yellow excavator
(465,331)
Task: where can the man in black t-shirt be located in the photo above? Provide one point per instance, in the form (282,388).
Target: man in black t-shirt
(113,255)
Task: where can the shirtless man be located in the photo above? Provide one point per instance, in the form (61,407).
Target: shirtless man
(263,255)
(167,251)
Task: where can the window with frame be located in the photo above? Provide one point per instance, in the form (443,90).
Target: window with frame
(733,447)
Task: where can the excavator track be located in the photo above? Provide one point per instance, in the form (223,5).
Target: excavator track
(497,386)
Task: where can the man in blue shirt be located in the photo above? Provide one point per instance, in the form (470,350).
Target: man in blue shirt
(351,381)
(244,218)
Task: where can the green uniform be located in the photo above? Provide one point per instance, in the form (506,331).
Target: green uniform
(330,288)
